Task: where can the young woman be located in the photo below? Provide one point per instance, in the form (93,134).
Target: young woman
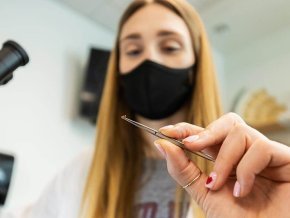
(160,73)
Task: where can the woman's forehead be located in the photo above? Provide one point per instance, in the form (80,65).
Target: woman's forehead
(153,19)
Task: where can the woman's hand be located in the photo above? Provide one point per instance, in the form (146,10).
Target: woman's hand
(261,187)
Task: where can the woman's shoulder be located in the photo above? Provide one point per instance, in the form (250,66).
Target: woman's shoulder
(64,194)
(73,175)
(79,165)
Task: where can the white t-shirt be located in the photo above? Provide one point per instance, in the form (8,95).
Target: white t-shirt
(62,197)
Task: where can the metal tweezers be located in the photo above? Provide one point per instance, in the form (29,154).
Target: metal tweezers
(162,136)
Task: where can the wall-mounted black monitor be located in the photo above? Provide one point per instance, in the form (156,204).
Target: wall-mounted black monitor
(93,83)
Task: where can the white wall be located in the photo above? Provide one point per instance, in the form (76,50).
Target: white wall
(38,112)
(220,71)
(262,63)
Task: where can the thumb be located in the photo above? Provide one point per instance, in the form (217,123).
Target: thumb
(183,170)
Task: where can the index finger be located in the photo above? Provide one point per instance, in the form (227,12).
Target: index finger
(215,133)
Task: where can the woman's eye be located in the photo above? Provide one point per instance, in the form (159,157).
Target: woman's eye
(170,49)
(134,52)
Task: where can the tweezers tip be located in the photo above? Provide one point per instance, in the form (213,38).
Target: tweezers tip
(124,117)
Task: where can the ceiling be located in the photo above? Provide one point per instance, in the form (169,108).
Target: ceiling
(231,24)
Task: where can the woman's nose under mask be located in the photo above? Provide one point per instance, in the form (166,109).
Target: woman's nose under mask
(155,91)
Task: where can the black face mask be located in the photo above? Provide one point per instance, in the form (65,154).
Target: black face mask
(155,91)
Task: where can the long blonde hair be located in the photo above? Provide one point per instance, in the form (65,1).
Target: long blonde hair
(117,162)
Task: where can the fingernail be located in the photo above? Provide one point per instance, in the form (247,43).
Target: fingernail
(167,127)
(191,138)
(237,189)
(211,180)
(160,149)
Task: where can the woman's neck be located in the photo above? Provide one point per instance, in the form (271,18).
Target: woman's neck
(150,149)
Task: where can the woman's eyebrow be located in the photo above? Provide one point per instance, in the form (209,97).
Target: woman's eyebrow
(168,33)
(132,36)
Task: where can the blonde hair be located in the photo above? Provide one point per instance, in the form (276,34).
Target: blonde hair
(116,166)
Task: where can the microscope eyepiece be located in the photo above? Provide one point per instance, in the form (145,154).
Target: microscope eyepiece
(12,56)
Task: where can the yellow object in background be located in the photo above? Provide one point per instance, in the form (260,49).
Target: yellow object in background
(263,111)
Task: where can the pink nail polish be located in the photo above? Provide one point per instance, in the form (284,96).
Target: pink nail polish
(237,189)
(211,180)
